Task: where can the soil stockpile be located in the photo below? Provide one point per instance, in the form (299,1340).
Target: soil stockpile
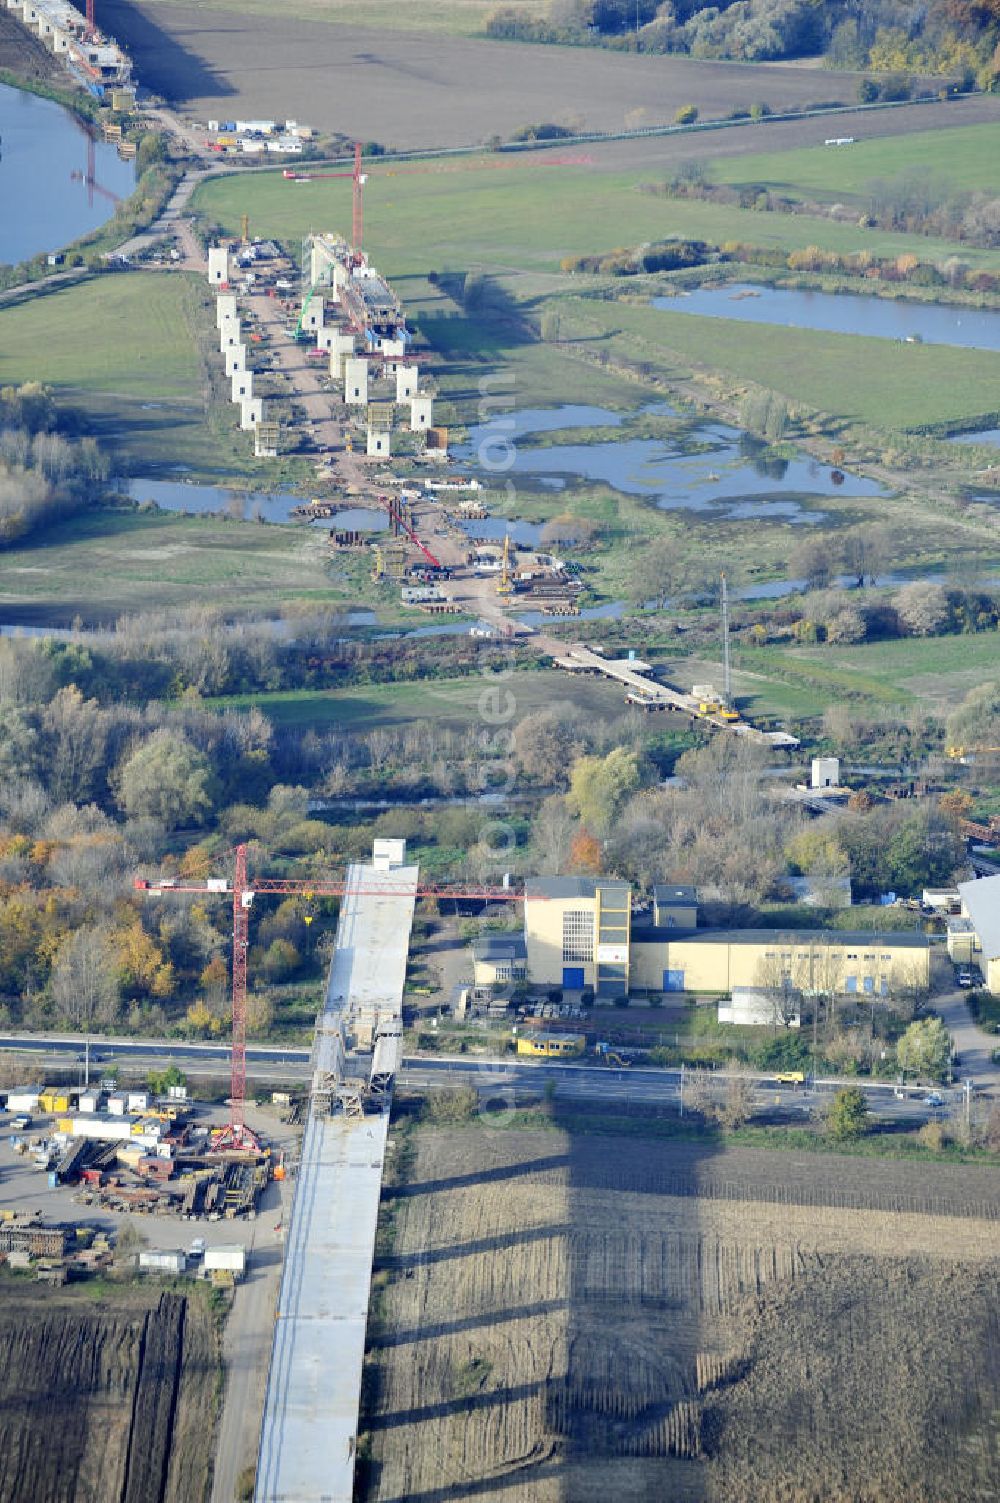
(572,1317)
(105,1400)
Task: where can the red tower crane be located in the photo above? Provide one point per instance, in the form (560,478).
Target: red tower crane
(91,27)
(89,177)
(358,211)
(400,523)
(243,889)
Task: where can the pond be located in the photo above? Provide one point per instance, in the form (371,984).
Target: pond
(843,313)
(984,436)
(732,472)
(45,192)
(610,611)
(242,505)
(494,529)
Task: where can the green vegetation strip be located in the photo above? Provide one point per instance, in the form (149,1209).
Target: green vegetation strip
(639,1124)
(488,213)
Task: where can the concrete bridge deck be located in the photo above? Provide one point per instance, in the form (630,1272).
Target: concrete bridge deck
(309,1431)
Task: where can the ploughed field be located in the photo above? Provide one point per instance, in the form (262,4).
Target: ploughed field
(572,1317)
(102,1400)
(404,87)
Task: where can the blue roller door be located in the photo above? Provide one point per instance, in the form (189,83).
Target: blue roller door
(673,981)
(573,977)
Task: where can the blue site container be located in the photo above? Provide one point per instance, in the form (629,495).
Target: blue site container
(53,1179)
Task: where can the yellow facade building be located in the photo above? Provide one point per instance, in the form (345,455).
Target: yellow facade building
(579,932)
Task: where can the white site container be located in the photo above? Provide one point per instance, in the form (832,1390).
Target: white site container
(231,1257)
(171,1262)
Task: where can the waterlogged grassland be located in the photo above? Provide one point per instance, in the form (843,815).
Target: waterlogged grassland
(875,381)
(965,156)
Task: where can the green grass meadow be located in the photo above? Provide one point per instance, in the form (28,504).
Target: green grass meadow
(519,213)
(455,702)
(452,17)
(123,349)
(967,156)
(103,562)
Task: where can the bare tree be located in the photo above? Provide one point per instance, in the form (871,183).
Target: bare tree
(76,739)
(84,985)
(922,607)
(554,829)
(738,1104)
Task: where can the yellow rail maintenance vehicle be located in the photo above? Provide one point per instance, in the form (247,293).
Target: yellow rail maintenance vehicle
(551,1045)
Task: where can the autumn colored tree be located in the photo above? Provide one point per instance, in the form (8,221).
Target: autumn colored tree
(214,978)
(585,854)
(140,963)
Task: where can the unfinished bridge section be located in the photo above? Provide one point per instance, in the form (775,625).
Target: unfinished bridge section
(309,1432)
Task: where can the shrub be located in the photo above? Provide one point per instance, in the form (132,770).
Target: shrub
(847,1118)
(686,115)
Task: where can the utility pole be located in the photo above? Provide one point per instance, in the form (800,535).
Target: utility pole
(727,687)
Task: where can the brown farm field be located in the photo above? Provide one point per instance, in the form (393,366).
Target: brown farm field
(565,1317)
(410,88)
(108,1397)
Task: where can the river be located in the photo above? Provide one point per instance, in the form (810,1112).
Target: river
(45,196)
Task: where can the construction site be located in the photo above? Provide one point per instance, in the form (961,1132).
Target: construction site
(95,61)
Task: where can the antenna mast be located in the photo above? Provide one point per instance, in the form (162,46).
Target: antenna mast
(727,687)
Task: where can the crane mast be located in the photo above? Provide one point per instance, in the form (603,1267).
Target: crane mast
(236,1136)
(727,686)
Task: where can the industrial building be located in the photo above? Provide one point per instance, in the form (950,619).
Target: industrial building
(499,959)
(974,935)
(576,932)
(579,932)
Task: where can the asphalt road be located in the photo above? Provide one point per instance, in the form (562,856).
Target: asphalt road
(490,1077)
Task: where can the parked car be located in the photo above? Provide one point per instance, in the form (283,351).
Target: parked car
(20,1122)
(197,1248)
(933,1098)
